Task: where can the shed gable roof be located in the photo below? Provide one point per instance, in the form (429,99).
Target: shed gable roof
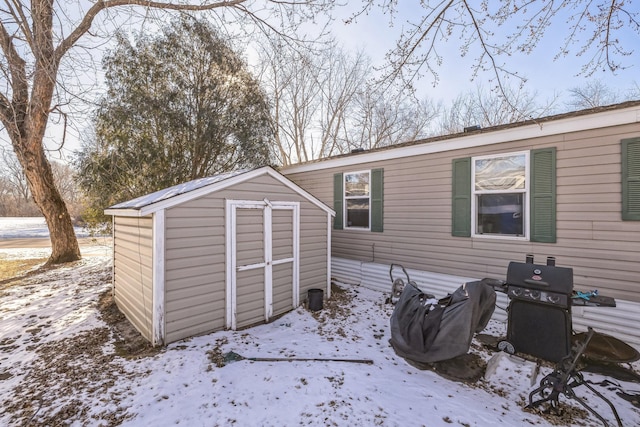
(173,196)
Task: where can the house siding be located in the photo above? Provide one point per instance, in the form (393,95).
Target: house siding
(591,236)
(133,270)
(195,255)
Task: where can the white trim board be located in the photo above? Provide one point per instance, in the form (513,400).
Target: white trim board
(158,318)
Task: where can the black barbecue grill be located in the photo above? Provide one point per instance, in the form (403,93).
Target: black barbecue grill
(539,313)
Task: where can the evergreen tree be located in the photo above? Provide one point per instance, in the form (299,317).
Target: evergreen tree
(180,105)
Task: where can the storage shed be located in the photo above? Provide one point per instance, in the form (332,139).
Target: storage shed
(222,252)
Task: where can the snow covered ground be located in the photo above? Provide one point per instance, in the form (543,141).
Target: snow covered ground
(27,227)
(60,365)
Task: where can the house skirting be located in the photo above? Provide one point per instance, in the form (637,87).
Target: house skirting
(622,321)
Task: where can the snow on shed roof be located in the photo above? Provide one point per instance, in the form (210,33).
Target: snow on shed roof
(171,196)
(176,190)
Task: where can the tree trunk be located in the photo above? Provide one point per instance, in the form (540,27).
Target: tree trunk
(26,122)
(64,244)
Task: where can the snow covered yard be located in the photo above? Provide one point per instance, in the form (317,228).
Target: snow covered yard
(62,363)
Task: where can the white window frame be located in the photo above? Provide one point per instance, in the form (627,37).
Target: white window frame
(526,191)
(345,222)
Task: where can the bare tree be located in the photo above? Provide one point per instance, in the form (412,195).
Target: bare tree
(36,36)
(324,103)
(288,76)
(596,93)
(341,77)
(4,197)
(382,118)
(484,108)
(311,94)
(15,178)
(15,197)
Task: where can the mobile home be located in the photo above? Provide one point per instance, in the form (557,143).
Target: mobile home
(461,207)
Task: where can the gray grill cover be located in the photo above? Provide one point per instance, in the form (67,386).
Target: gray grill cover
(431,333)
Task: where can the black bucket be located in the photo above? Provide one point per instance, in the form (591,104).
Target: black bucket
(315,299)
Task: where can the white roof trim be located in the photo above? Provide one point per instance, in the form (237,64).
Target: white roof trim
(553,127)
(123,212)
(217,186)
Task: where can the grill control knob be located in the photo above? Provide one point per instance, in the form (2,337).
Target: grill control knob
(555,299)
(535,294)
(516,292)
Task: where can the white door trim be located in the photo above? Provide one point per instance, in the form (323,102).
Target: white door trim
(231,257)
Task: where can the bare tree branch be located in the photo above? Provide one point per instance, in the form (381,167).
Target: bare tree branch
(496,30)
(86,22)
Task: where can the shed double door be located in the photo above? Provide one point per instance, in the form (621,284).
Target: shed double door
(262,260)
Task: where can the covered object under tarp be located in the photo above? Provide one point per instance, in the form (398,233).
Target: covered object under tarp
(427,330)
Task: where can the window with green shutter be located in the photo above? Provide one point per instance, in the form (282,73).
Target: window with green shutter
(358,199)
(631,179)
(490,195)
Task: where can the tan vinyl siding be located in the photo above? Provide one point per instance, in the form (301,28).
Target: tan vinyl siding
(133,270)
(250,298)
(282,234)
(195,256)
(282,289)
(591,237)
(194,269)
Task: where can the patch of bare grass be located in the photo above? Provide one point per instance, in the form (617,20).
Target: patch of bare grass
(18,268)
(128,342)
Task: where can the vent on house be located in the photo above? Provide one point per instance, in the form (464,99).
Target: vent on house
(472,128)
(357,150)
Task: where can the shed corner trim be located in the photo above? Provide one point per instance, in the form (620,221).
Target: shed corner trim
(158,297)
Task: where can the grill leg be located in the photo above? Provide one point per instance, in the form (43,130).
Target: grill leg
(563,380)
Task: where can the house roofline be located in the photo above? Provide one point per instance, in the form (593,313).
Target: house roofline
(595,118)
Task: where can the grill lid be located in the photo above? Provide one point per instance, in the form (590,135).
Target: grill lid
(542,277)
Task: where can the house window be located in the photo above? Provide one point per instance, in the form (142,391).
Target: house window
(357,199)
(511,195)
(500,194)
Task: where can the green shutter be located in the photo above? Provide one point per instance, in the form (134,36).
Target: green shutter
(338,201)
(631,179)
(543,195)
(377,196)
(461,198)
